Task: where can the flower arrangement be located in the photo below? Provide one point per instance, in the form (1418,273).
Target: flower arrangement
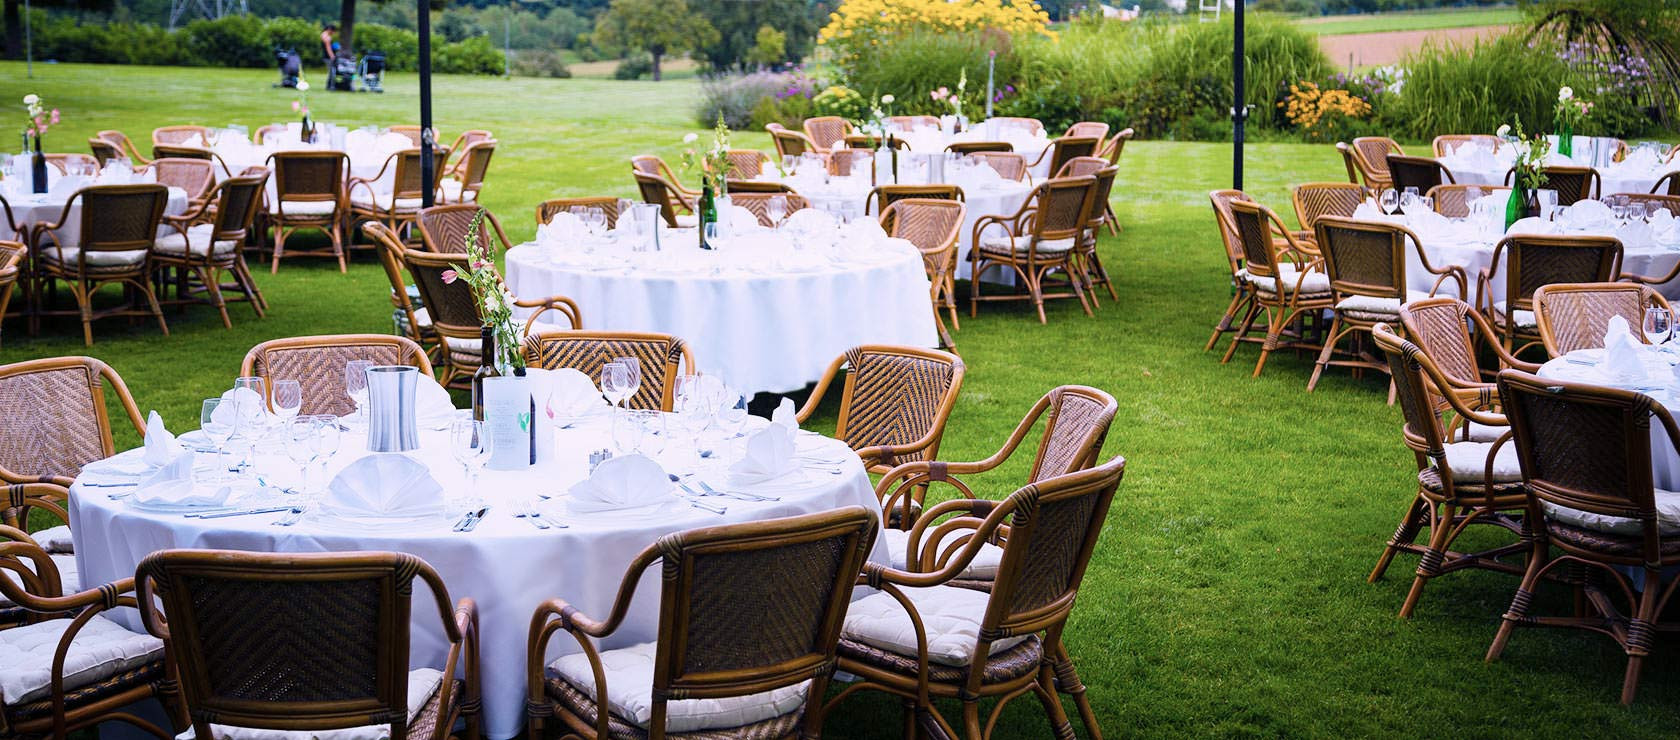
(878,113)
(39,119)
(1531,157)
(494,301)
(1319,112)
(1569,113)
(713,163)
(955,100)
(301,105)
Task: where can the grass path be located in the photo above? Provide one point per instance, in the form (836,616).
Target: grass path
(1228,595)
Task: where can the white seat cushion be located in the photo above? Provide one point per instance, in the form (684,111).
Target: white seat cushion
(1523,319)
(462,344)
(125,258)
(629,674)
(55,539)
(423,317)
(197,239)
(1473,432)
(69,576)
(452,189)
(950,615)
(306,207)
(1002,243)
(102,649)
(360,197)
(1668,517)
(687,221)
(1371,308)
(422,684)
(984,567)
(1316,282)
(1468,462)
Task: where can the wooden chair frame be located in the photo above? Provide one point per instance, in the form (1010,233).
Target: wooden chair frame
(406,175)
(1263,253)
(81,281)
(881,457)
(827,132)
(1517,339)
(1370,156)
(124,146)
(444,228)
(390,258)
(11,270)
(1589,308)
(231,221)
(332,223)
(548,209)
(883,196)
(939,252)
(1031,267)
(458,365)
(662,358)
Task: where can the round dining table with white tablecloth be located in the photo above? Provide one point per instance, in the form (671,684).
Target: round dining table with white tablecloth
(367,151)
(507,564)
(1029,143)
(30,209)
(768,310)
(1477,164)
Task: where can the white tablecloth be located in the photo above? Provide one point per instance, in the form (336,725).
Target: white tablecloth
(1029,145)
(29,209)
(367,152)
(507,565)
(1471,165)
(768,312)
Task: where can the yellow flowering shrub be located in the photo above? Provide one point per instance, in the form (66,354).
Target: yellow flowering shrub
(1321,113)
(858,24)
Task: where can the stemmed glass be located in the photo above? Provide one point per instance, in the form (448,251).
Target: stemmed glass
(355,386)
(301,445)
(1659,325)
(469,440)
(694,410)
(634,382)
(776,210)
(250,396)
(1390,201)
(615,381)
(288,399)
(732,412)
(217,431)
(328,434)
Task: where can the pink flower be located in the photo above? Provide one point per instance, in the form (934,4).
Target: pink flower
(479,264)
(940,93)
(55,115)
(449,276)
(296,106)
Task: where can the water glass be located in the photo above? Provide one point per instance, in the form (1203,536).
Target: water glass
(615,381)
(1390,201)
(1409,200)
(469,441)
(651,422)
(1659,325)
(355,386)
(633,367)
(288,399)
(694,411)
(627,434)
(301,445)
(776,209)
(218,431)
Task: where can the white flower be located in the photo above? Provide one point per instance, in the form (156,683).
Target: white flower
(31,99)
(1504,130)
(690,138)
(303,86)
(1565,93)
(887,99)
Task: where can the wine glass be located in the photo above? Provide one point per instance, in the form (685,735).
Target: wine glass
(627,435)
(469,440)
(355,385)
(1390,201)
(288,399)
(694,412)
(654,435)
(776,209)
(250,398)
(614,383)
(1409,200)
(634,381)
(1659,325)
(732,412)
(789,164)
(328,435)
(218,431)
(301,445)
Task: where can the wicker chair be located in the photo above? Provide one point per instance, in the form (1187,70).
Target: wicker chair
(1111,151)
(1422,173)
(1459,484)
(171,151)
(1287,278)
(1446,144)
(1366,264)
(1655,201)
(103,151)
(413,133)
(1242,289)
(1067,148)
(118,226)
(262,134)
(894,402)
(1575,316)
(1350,160)
(1668,184)
(39,503)
(749,617)
(1008,165)
(1087,128)
(309,193)
(303,643)
(870,141)
(662,358)
(83,668)
(759,204)
(63,162)
(416,324)
(737,187)
(444,229)
(1592,498)
(1442,326)
(648,164)
(891,643)
(976,147)
(934,225)
(458,149)
(1531,261)
(55,418)
(399,208)
(1090,263)
(608,204)
(1315,199)
(195,176)
(1040,237)
(11,259)
(317,363)
(882,197)
(792,143)
(746,164)
(178,135)
(206,249)
(827,132)
(911,123)
(462,182)
(1453,201)
(1032,126)
(123,145)
(663,193)
(1370,156)
(456,317)
(842,161)
(1571,183)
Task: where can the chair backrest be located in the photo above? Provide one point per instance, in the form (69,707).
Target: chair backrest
(1070,147)
(1351,162)
(317,363)
(408,180)
(928,223)
(656,190)
(195,176)
(1453,200)
(1063,205)
(444,229)
(1446,144)
(1371,152)
(62,162)
(1115,146)
(1602,465)
(470,137)
(972,147)
(759,204)
(1097,213)
(54,416)
(1252,222)
(896,396)
(391,249)
(1423,431)
(883,196)
(608,204)
(177,151)
(1088,128)
(117,139)
(1654,202)
(1078,424)
(827,132)
(662,358)
(1669,184)
(911,123)
(747,608)
(1315,199)
(1572,184)
(1533,260)
(103,151)
(744,164)
(450,303)
(791,143)
(288,641)
(412,132)
(1030,125)
(1574,316)
(474,163)
(1081,166)
(1441,326)
(118,218)
(1227,223)
(176,135)
(735,186)
(237,201)
(1422,173)
(870,141)
(309,175)
(263,132)
(1008,165)
(1365,258)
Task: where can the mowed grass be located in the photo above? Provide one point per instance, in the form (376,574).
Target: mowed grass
(1228,595)
(1412,20)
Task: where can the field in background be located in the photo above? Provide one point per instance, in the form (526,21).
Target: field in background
(1411,20)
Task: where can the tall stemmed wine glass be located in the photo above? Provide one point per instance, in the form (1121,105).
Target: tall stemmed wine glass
(355,386)
(218,428)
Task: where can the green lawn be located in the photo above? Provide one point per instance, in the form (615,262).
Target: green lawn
(1228,596)
(1411,20)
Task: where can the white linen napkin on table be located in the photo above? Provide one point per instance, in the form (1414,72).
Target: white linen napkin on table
(737,219)
(1585,214)
(433,408)
(174,484)
(624,482)
(570,394)
(1532,225)
(225,412)
(768,456)
(811,219)
(65,185)
(786,415)
(385,485)
(1635,235)
(161,446)
(1623,354)
(564,228)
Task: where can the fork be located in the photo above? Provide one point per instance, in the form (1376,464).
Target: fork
(529,514)
(290,518)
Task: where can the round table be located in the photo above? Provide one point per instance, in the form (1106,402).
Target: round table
(1029,145)
(506,565)
(367,152)
(768,310)
(30,209)
(1629,176)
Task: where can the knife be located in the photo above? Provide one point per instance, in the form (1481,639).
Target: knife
(242,512)
(474,518)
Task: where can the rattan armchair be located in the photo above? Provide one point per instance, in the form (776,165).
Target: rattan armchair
(1668,184)
(180,135)
(758,204)
(1422,173)
(1090,263)
(882,197)
(1350,160)
(749,620)
(893,644)
(399,208)
(1370,156)
(1446,144)
(1242,288)
(911,123)
(14,230)
(55,419)
(661,192)
(317,363)
(303,643)
(662,358)
(195,176)
(871,141)
(1041,237)
(792,143)
(548,209)
(746,164)
(977,147)
(894,402)
(415,322)
(123,145)
(76,666)
(38,503)
(309,193)
(1459,484)
(934,225)
(648,164)
(1066,148)
(1032,126)
(119,223)
(1531,261)
(827,132)
(63,162)
(1591,497)
(462,182)
(458,148)
(11,261)
(1443,327)
(457,317)
(414,133)
(1453,201)
(736,187)
(172,151)
(1572,184)
(1008,165)
(263,132)
(1287,278)
(1315,199)
(1572,316)
(1366,264)
(211,239)
(103,151)
(444,229)
(1655,202)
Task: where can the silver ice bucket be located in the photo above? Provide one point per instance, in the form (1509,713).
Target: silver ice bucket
(391,419)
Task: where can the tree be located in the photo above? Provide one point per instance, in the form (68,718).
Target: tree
(14,18)
(769,49)
(658,26)
(739,23)
(347,20)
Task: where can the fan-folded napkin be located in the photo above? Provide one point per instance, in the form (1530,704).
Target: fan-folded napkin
(175,485)
(565,393)
(432,405)
(161,447)
(563,228)
(385,485)
(769,451)
(624,482)
(1623,354)
(227,412)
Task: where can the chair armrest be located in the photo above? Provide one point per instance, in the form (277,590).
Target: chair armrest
(465,619)
(552,616)
(559,303)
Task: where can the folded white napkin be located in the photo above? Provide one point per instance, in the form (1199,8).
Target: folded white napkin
(570,394)
(226,411)
(1585,214)
(811,219)
(1635,234)
(175,485)
(385,485)
(786,415)
(863,231)
(1623,354)
(1532,225)
(432,405)
(64,185)
(624,482)
(161,446)
(768,456)
(737,219)
(1428,225)
(563,228)
(1367,211)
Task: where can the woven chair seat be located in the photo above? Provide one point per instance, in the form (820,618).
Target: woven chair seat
(43,707)
(629,673)
(583,706)
(951,617)
(1372,308)
(1522,318)
(101,650)
(1668,517)
(1316,284)
(1018,661)
(306,208)
(1606,542)
(424,705)
(363,200)
(1002,245)
(984,566)
(97,261)
(197,240)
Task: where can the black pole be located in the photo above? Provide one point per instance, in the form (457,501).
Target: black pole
(1239,109)
(427,141)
